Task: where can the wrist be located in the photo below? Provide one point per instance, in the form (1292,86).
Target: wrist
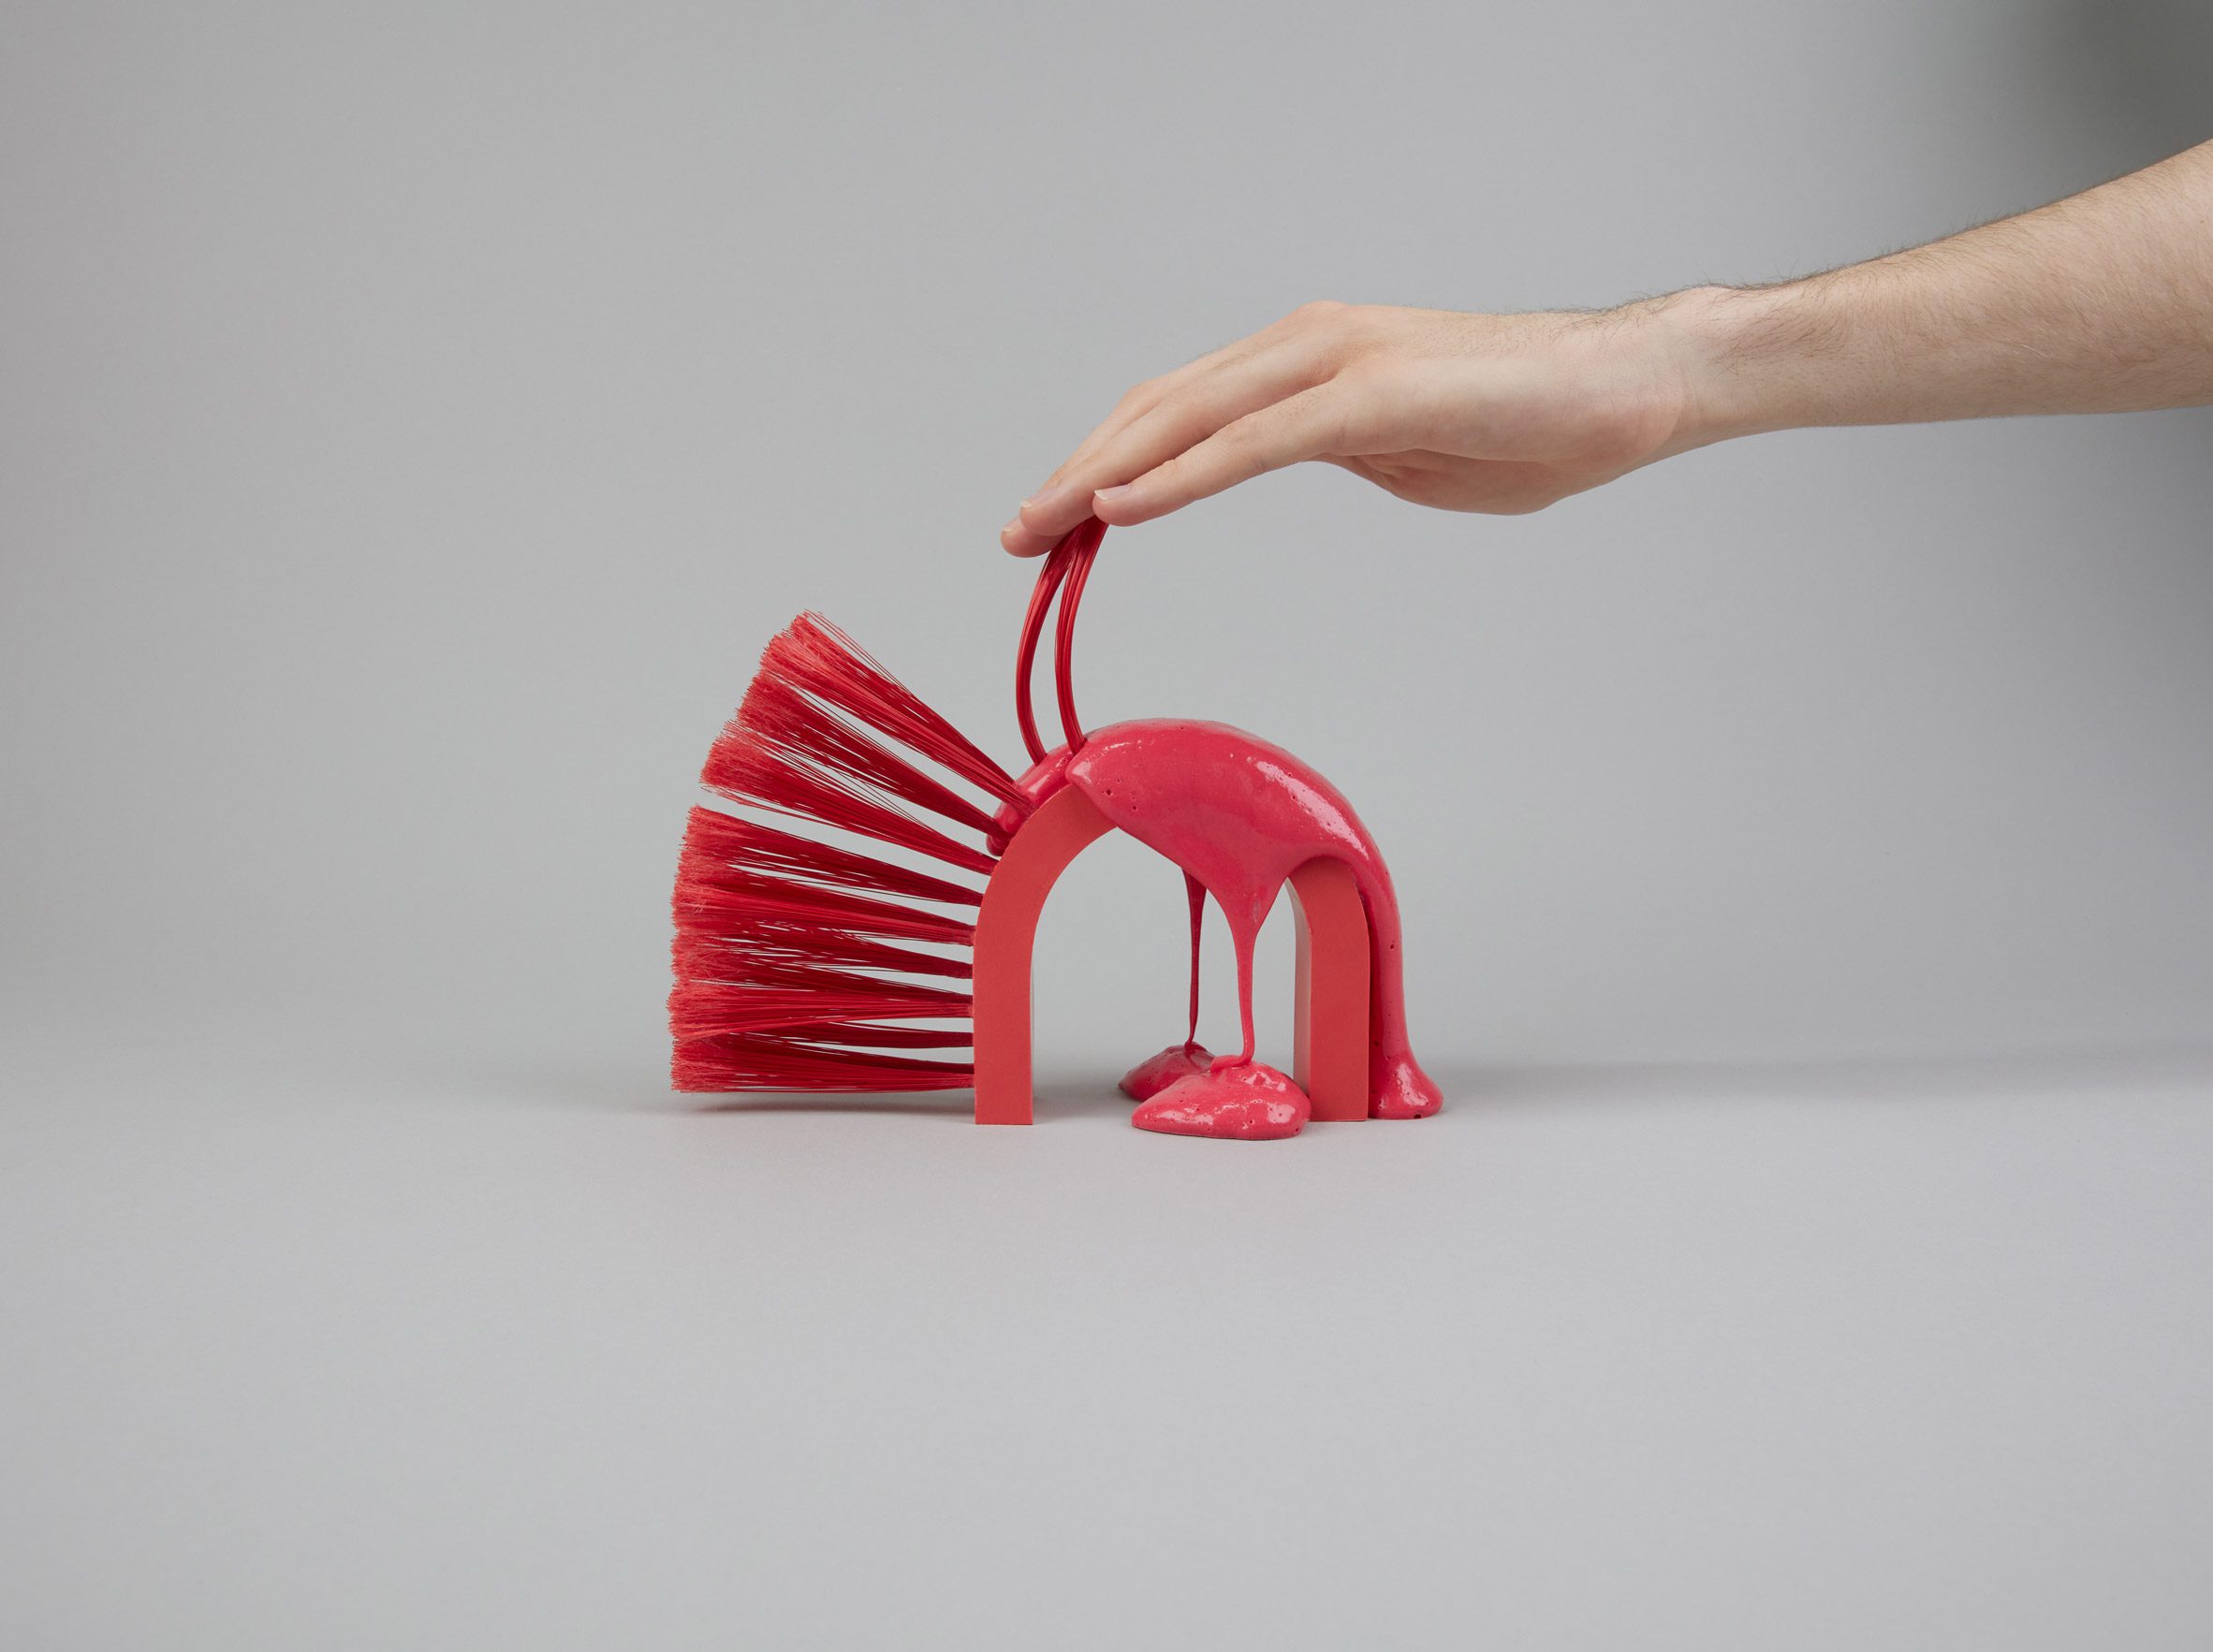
(1727,348)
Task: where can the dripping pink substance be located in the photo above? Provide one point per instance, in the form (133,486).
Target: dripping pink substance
(1154,1074)
(1252,1103)
(1239,815)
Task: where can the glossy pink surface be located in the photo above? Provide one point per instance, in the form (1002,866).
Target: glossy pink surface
(1154,1074)
(1247,1102)
(1241,815)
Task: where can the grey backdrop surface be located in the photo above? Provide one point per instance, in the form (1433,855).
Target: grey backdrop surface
(417,418)
(413,419)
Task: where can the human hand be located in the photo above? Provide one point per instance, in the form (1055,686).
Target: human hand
(1504,414)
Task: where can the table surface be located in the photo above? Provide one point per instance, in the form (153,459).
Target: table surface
(311,1344)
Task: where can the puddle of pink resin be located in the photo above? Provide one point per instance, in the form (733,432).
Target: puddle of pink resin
(1154,1074)
(1250,1102)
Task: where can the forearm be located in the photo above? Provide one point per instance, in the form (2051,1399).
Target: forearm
(2102,302)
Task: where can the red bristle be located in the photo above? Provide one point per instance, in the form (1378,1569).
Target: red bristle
(739,767)
(790,724)
(784,975)
(699,1013)
(730,841)
(818,657)
(756,1062)
(775,997)
(714,901)
(862,1035)
(698,952)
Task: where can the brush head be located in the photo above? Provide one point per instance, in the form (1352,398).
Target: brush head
(800,962)
(713,839)
(818,659)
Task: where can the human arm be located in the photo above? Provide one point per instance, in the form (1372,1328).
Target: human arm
(2102,302)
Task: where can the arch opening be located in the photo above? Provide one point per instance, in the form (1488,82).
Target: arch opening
(1330,1010)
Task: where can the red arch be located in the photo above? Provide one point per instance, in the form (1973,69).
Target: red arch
(1330,1059)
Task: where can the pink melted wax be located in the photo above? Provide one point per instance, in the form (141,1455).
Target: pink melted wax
(1239,816)
(1154,1074)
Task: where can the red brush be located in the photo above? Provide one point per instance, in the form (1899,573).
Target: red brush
(805,965)
(796,960)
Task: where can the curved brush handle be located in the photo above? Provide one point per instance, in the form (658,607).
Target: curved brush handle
(1041,598)
(1070,561)
(1086,540)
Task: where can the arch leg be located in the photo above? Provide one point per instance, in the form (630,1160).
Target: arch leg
(1005,934)
(1330,1011)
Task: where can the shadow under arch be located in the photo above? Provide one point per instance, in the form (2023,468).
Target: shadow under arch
(1330,1010)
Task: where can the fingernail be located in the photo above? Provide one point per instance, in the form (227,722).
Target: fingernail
(1112,495)
(1014,526)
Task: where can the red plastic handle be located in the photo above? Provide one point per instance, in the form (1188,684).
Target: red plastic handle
(1067,567)
(1041,596)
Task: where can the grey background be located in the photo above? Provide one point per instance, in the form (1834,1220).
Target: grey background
(414,419)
